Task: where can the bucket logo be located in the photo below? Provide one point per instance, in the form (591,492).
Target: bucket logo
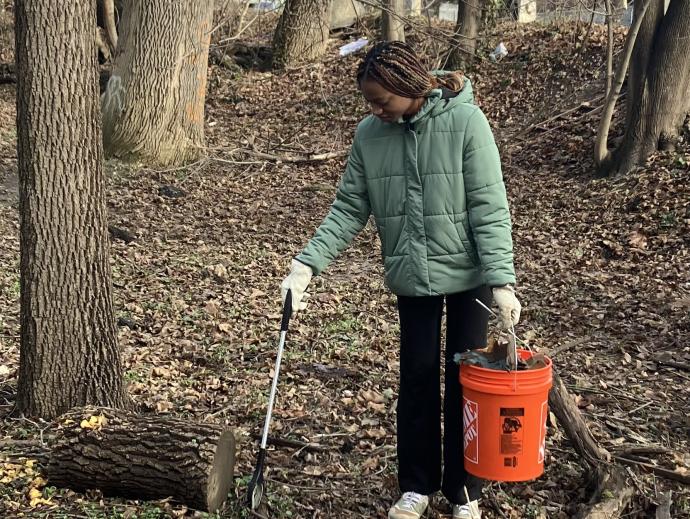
(470,415)
(542,432)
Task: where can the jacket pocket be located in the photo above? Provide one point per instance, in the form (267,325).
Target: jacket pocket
(463,228)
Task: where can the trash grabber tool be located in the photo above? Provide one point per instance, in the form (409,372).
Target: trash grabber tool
(255,489)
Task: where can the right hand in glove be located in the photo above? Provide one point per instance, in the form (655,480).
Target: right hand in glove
(297,281)
(509,307)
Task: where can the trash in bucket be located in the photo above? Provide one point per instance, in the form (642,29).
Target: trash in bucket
(504,414)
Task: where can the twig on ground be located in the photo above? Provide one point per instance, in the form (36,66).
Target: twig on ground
(284,442)
(673,364)
(659,471)
(313,157)
(639,407)
(567,346)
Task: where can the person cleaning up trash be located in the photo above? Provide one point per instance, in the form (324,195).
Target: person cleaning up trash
(426,165)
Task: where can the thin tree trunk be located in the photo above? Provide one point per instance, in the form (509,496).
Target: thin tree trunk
(109,22)
(69,353)
(655,117)
(153,106)
(392,23)
(609,46)
(601,152)
(465,37)
(302,32)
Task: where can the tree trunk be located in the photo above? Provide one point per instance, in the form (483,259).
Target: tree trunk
(143,457)
(643,48)
(465,37)
(153,106)
(660,80)
(602,155)
(392,23)
(302,32)
(69,353)
(109,23)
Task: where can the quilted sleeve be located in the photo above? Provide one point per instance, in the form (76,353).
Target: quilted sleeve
(487,203)
(348,215)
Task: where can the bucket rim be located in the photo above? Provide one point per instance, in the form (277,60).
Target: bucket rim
(523,353)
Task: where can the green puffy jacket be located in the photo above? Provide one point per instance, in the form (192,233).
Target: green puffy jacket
(435,187)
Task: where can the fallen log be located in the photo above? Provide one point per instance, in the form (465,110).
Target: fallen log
(143,457)
(612,494)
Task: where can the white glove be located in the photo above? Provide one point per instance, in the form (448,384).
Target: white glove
(297,281)
(508,306)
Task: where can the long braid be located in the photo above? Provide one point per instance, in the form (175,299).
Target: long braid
(397,68)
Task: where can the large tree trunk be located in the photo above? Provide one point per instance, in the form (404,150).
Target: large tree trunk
(153,106)
(392,23)
(69,354)
(465,37)
(302,32)
(143,457)
(659,82)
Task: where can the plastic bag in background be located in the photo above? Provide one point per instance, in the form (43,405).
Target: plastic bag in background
(499,52)
(353,47)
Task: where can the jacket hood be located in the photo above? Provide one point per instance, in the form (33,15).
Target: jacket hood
(436,104)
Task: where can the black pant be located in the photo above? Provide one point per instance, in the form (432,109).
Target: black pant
(419,401)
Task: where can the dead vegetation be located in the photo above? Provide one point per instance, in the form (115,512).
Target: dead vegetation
(602,269)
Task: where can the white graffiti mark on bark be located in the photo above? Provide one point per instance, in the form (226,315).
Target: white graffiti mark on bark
(113,96)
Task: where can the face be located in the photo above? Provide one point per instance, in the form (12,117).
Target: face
(387,106)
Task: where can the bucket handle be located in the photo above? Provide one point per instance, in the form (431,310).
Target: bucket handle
(512,359)
(511,332)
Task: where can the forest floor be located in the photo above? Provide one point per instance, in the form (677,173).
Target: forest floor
(602,267)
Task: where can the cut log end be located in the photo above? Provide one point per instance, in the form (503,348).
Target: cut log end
(221,475)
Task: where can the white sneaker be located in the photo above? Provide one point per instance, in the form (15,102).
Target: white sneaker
(410,506)
(468,511)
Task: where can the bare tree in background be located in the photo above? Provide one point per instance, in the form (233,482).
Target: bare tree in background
(302,32)
(153,106)
(392,21)
(69,354)
(465,38)
(658,86)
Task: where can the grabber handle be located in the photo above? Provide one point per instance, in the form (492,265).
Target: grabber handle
(287,311)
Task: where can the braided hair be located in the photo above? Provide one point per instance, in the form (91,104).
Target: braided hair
(397,68)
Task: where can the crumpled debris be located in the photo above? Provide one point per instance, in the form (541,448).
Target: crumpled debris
(495,356)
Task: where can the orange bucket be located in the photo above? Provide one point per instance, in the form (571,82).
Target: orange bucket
(504,421)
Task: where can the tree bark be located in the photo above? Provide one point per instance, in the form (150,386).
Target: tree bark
(465,38)
(153,106)
(602,155)
(650,20)
(68,352)
(392,23)
(143,457)
(302,32)
(659,84)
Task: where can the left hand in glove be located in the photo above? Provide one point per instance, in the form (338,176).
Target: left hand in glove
(508,306)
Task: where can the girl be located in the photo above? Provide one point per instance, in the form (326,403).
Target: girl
(426,165)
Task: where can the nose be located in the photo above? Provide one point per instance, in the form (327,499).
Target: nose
(375,109)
